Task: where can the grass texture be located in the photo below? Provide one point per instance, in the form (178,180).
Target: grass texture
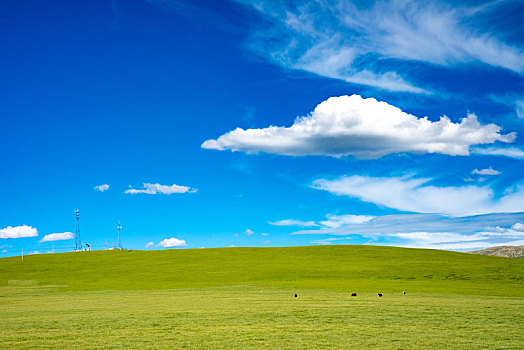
(244,298)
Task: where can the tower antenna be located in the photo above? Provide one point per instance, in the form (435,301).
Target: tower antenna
(78,241)
(119,227)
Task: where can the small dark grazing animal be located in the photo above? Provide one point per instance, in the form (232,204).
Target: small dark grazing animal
(404,292)
(379,295)
(296,295)
(353,294)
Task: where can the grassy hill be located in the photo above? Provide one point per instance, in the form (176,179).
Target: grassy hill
(245,298)
(503,251)
(343,268)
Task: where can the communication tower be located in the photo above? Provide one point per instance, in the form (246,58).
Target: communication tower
(78,241)
(119,227)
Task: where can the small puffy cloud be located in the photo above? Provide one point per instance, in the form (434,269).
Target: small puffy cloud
(36,252)
(58,237)
(264,234)
(335,221)
(416,195)
(149,245)
(102,188)
(488,171)
(518,227)
(364,128)
(18,232)
(4,251)
(249,232)
(163,189)
(293,222)
(172,242)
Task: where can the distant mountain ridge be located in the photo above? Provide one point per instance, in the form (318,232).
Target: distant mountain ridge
(503,251)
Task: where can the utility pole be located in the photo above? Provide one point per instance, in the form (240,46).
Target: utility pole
(78,241)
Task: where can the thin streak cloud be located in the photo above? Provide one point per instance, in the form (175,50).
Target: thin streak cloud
(348,41)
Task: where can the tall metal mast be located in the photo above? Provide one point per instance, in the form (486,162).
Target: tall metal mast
(78,241)
(119,227)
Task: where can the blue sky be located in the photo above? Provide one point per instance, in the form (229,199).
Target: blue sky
(261,123)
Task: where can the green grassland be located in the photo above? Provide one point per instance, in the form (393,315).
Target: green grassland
(244,298)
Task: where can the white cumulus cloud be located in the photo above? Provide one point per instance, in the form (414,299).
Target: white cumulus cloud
(150,188)
(58,237)
(18,232)
(488,171)
(416,195)
(102,188)
(249,232)
(172,242)
(149,245)
(364,128)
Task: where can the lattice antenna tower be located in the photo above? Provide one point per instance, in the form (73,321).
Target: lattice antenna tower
(119,227)
(78,241)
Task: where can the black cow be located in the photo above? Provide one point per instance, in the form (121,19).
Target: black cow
(353,294)
(379,295)
(296,295)
(404,292)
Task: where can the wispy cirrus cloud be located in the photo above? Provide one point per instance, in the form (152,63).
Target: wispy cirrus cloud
(510,152)
(402,223)
(417,195)
(519,108)
(18,232)
(335,221)
(58,237)
(441,240)
(293,222)
(157,188)
(429,231)
(348,41)
(364,128)
(332,221)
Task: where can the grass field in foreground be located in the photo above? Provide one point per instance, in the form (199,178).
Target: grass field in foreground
(243,297)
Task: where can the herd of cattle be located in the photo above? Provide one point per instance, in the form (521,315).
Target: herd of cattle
(355,294)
